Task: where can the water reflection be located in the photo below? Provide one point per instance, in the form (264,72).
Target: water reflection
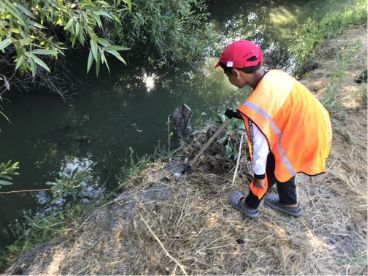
(76,181)
(149,81)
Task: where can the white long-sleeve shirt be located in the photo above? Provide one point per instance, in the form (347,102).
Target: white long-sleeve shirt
(260,150)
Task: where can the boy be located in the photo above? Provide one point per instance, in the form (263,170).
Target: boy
(288,130)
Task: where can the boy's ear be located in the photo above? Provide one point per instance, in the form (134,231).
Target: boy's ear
(236,72)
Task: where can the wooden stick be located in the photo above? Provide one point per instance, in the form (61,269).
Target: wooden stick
(163,248)
(221,128)
(23,191)
(238,159)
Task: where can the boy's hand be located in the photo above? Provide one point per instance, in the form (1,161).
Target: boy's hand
(258,183)
(230,113)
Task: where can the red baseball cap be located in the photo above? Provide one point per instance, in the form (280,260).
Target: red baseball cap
(241,54)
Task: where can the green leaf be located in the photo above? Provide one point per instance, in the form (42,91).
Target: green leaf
(37,25)
(103,42)
(32,64)
(81,37)
(49,52)
(15,30)
(93,44)
(69,24)
(103,3)
(39,62)
(116,18)
(98,19)
(5,182)
(5,43)
(90,60)
(73,40)
(6,82)
(117,55)
(98,61)
(117,48)
(19,62)
(25,10)
(77,27)
(25,41)
(104,60)
(103,13)
(129,4)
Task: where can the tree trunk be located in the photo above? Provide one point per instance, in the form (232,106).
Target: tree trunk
(179,126)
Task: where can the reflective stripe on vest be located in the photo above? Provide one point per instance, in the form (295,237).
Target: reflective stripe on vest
(266,116)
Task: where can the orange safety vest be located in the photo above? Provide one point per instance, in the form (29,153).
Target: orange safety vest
(295,124)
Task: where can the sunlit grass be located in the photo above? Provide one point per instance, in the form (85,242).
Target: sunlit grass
(332,98)
(283,16)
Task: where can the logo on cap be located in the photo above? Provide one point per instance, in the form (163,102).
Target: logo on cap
(230,64)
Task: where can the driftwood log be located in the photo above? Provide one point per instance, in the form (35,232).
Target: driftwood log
(179,126)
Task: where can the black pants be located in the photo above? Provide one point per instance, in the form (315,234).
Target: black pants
(286,190)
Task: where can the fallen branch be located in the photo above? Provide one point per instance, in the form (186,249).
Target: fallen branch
(24,191)
(238,159)
(163,248)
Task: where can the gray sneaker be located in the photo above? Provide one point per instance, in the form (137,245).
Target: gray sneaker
(235,203)
(273,201)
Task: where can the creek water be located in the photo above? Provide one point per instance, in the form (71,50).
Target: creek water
(104,117)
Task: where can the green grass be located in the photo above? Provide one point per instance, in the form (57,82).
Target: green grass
(331,98)
(135,164)
(313,32)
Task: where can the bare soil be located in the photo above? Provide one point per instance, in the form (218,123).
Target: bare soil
(167,225)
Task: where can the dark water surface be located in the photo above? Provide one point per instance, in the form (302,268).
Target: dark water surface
(129,108)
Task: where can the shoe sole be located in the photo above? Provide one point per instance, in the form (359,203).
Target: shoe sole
(292,211)
(235,203)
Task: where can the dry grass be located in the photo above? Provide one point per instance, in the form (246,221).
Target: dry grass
(193,229)
(167,225)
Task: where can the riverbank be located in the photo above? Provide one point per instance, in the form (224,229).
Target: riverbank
(161,224)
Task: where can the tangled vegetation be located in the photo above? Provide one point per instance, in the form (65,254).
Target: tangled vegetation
(32,32)
(35,34)
(174,30)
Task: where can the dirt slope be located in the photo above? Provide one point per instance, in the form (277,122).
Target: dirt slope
(167,225)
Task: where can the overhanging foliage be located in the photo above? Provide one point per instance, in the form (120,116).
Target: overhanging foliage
(41,29)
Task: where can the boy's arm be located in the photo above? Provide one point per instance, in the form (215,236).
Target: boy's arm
(260,152)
